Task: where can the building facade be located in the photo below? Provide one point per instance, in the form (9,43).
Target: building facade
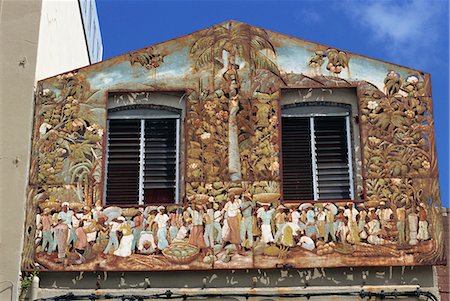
(243,160)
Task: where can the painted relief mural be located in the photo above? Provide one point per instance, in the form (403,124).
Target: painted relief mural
(232,214)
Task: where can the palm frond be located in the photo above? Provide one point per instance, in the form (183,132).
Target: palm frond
(239,30)
(208,39)
(332,55)
(205,58)
(201,44)
(218,31)
(260,32)
(260,43)
(218,64)
(343,58)
(242,39)
(79,172)
(260,61)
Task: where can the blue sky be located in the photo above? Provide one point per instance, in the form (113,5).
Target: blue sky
(412,33)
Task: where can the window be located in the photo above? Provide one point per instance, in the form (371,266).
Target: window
(317,157)
(142,156)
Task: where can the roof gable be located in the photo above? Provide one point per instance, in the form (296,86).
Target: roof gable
(173,61)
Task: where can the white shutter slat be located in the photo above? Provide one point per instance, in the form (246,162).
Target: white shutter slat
(333,177)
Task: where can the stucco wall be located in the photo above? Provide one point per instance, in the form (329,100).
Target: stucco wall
(19,29)
(290,281)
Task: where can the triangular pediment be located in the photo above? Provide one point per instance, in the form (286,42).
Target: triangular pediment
(176,59)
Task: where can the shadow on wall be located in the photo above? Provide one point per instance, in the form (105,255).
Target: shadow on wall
(419,275)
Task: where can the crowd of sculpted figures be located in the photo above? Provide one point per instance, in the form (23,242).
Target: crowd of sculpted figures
(212,226)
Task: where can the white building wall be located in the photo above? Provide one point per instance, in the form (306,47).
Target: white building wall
(62,44)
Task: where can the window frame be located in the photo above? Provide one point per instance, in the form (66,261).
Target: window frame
(315,181)
(180,169)
(351,143)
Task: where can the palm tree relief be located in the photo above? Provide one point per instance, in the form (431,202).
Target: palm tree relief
(233,52)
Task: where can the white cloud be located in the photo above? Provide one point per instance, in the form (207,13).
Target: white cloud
(309,15)
(404,28)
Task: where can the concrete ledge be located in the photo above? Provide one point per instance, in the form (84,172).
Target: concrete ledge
(269,293)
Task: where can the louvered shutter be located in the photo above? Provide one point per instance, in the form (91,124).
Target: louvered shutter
(297,164)
(333,179)
(122,182)
(160,161)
